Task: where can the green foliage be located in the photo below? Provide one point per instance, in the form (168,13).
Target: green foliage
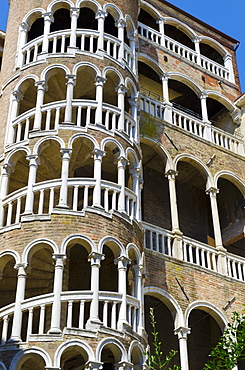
(231,346)
(156,360)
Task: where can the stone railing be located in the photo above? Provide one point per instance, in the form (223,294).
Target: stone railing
(183,51)
(75,308)
(83,116)
(80,196)
(193,252)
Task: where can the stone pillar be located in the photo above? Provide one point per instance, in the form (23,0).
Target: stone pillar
(98,155)
(134,114)
(122,263)
(95,260)
(177,248)
(48,19)
(101,21)
(74,12)
(24,28)
(139,294)
(228,65)
(58,279)
(71,81)
(207,130)
(20,296)
(41,87)
(168,114)
(196,42)
(183,352)
(121,91)
(99,82)
(16,97)
(33,163)
(161,21)
(136,189)
(121,165)
(6,170)
(222,264)
(132,44)
(64,177)
(121,25)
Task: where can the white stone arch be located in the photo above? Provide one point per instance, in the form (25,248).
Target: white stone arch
(208,307)
(186,80)
(47,139)
(95,6)
(112,69)
(20,357)
(114,141)
(31,16)
(233,178)
(2,366)
(47,72)
(83,135)
(86,64)
(160,149)
(114,244)
(24,79)
(181,26)
(111,342)
(130,27)
(114,11)
(196,162)
(55,5)
(35,245)
(152,63)
(130,153)
(131,87)
(150,9)
(222,99)
(135,344)
(71,343)
(132,247)
(16,153)
(83,239)
(7,254)
(170,302)
(214,44)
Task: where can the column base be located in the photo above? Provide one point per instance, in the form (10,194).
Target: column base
(72,49)
(93,324)
(55,331)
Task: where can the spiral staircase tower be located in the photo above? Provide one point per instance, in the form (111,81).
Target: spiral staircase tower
(122,176)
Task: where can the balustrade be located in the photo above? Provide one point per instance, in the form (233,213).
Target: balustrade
(236,267)
(158,239)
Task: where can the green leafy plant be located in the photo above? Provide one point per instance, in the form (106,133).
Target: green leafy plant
(231,346)
(156,360)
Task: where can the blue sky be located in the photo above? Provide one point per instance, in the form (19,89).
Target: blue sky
(225,15)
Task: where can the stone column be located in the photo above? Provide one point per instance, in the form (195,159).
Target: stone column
(98,155)
(24,28)
(183,352)
(56,307)
(121,25)
(132,44)
(136,189)
(6,170)
(139,294)
(41,87)
(16,97)
(134,114)
(177,248)
(74,12)
(33,163)
(228,65)
(20,296)
(64,177)
(121,91)
(207,130)
(48,19)
(122,263)
(222,265)
(99,82)
(95,260)
(101,21)
(121,165)
(71,81)
(168,114)
(196,42)
(161,21)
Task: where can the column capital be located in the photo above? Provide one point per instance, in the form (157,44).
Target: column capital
(101,14)
(122,262)
(71,79)
(59,258)
(21,268)
(182,332)
(48,17)
(74,12)
(90,365)
(171,174)
(33,159)
(160,20)
(41,85)
(25,26)
(203,95)
(65,153)
(121,89)
(95,258)
(99,81)
(227,57)
(7,169)
(17,95)
(124,365)
(120,23)
(196,39)
(133,101)
(122,162)
(98,154)
(138,270)
(212,191)
(165,77)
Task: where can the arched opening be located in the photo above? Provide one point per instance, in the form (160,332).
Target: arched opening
(108,272)
(164,326)
(110,26)
(73,357)
(131,282)
(36,29)
(148,20)
(18,177)
(8,280)
(110,87)
(231,205)
(150,82)
(110,356)
(155,194)
(29,93)
(195,217)
(62,20)
(86,19)
(31,361)
(205,333)
(219,115)
(85,89)
(109,162)
(137,358)
(178,35)
(211,53)
(184,98)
